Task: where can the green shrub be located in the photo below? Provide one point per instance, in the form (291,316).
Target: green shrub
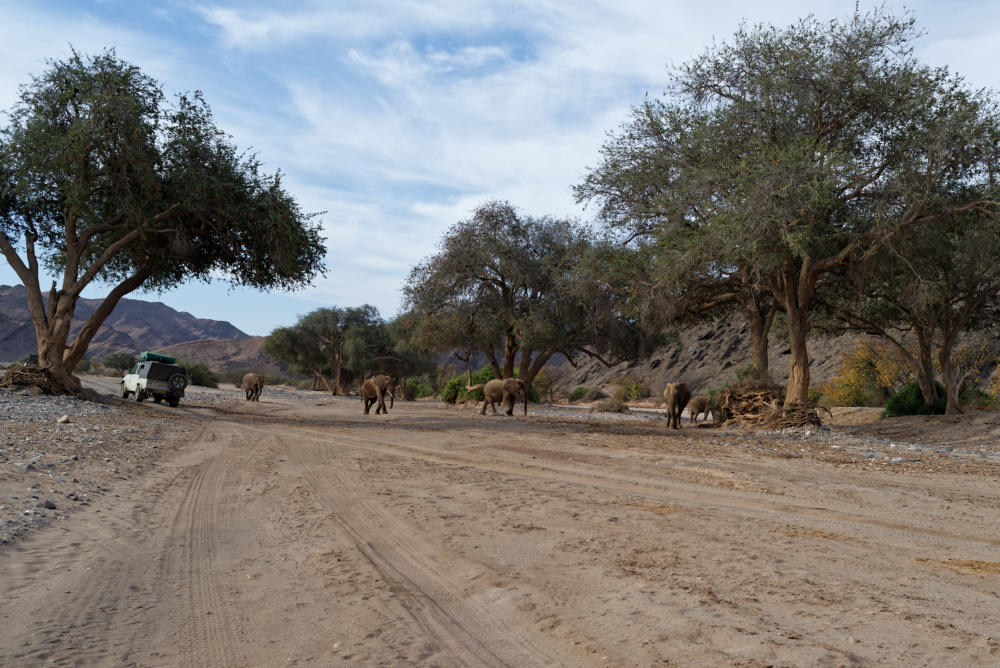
(120,361)
(454,389)
(594,394)
(83,366)
(199,373)
(637,390)
(910,401)
(415,389)
(578,393)
(975,397)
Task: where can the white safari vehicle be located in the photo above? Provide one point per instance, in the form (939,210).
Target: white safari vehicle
(156,377)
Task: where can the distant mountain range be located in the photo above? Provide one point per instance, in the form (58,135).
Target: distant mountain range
(135,325)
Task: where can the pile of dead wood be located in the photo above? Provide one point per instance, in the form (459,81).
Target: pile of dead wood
(761,406)
(31,376)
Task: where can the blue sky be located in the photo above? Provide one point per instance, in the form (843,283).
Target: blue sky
(398,118)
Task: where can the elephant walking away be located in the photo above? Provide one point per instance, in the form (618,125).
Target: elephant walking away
(374,390)
(676,397)
(253,385)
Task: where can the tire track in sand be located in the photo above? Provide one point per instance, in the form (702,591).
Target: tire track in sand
(426,583)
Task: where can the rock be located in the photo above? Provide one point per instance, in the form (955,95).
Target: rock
(49,504)
(64,420)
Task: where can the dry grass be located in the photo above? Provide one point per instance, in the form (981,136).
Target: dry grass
(963,566)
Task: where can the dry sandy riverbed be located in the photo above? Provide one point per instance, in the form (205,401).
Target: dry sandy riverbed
(300,531)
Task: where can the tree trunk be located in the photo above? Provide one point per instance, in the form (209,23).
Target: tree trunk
(529,368)
(948,377)
(793,288)
(760,326)
(798,368)
(509,351)
(924,370)
(497,371)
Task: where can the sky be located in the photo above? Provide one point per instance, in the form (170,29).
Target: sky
(397,119)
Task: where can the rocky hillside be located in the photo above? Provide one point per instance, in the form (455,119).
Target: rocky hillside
(229,356)
(134,326)
(706,357)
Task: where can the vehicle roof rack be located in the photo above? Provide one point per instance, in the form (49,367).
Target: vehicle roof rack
(156,357)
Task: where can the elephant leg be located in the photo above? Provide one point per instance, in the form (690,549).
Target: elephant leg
(367,405)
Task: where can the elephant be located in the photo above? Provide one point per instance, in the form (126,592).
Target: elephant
(253,385)
(697,406)
(373,390)
(676,396)
(503,392)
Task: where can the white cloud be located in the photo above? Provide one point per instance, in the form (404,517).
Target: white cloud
(398,118)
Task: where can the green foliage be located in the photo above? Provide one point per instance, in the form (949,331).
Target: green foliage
(976,397)
(416,389)
(120,361)
(199,373)
(534,286)
(103,179)
(83,366)
(578,393)
(744,192)
(910,401)
(454,389)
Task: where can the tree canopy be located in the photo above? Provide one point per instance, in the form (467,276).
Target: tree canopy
(102,180)
(527,287)
(785,154)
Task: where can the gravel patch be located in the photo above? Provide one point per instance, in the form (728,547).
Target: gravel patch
(49,468)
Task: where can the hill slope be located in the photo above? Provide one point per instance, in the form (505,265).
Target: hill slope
(133,326)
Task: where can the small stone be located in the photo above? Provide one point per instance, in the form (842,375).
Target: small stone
(64,420)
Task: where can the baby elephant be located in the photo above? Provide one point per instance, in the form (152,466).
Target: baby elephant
(698,406)
(253,385)
(676,396)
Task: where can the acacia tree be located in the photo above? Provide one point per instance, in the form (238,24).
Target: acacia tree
(102,180)
(934,284)
(785,154)
(294,347)
(525,287)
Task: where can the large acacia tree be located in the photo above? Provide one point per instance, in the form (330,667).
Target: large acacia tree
(783,155)
(520,290)
(102,180)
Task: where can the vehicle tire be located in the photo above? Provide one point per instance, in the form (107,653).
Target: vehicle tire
(140,394)
(177,382)
(124,393)
(157,398)
(174,401)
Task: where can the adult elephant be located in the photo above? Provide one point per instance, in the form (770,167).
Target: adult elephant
(504,392)
(676,397)
(373,390)
(253,385)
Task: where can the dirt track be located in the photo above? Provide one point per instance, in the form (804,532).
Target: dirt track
(308,533)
